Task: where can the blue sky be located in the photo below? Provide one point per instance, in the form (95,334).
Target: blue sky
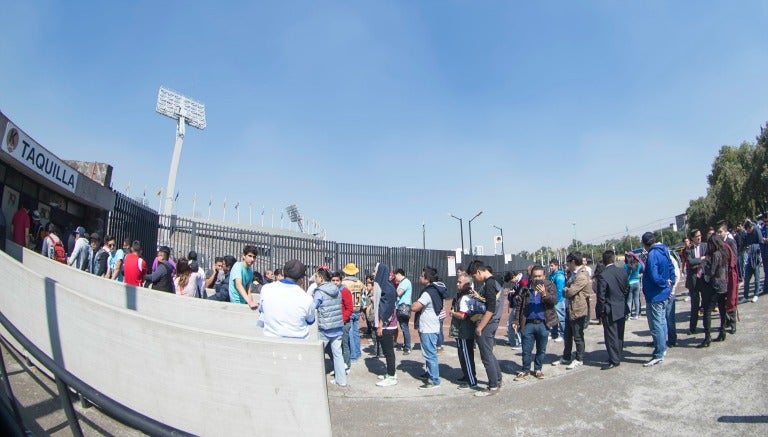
(374,117)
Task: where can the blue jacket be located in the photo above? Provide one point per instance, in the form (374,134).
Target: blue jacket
(558,279)
(659,276)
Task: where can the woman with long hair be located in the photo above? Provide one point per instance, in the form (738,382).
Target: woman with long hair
(633,268)
(185,280)
(715,286)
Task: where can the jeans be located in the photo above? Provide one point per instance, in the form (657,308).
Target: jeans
(405,327)
(485,343)
(440,335)
(354,336)
(742,264)
(466,349)
(387,341)
(538,333)
(559,330)
(574,333)
(634,298)
(429,352)
(749,272)
(657,324)
(764,255)
(339,369)
(671,324)
(513,335)
(345,343)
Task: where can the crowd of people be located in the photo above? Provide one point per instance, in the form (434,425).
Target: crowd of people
(544,303)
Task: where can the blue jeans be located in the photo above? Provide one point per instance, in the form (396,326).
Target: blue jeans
(404,326)
(440,335)
(539,334)
(742,264)
(513,336)
(657,324)
(634,297)
(345,343)
(749,272)
(429,351)
(671,325)
(354,336)
(560,328)
(339,369)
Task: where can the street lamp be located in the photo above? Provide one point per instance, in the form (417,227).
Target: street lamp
(471,248)
(461,227)
(574,236)
(502,238)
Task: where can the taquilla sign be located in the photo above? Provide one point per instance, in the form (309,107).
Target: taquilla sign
(37,158)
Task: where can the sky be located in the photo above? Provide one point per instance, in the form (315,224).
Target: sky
(379,118)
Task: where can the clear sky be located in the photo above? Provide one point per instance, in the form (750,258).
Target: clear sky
(377,116)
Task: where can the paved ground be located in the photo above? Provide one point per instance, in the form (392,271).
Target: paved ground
(719,390)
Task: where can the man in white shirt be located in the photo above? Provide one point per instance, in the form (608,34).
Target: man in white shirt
(286,310)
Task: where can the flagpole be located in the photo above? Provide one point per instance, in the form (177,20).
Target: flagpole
(262,216)
(210,202)
(250,214)
(194,204)
(224,217)
(273,217)
(160,200)
(237,208)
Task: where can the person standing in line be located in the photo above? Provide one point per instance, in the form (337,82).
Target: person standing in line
(375,293)
(356,287)
(49,243)
(98,256)
(79,255)
(20,225)
(633,269)
(752,268)
(241,278)
(464,329)
(330,326)
(732,283)
(185,280)
(115,260)
(695,257)
(715,289)
(346,313)
(485,330)
(537,317)
(557,277)
(387,323)
(286,310)
(222,289)
(577,290)
(612,292)
(134,268)
(764,250)
(161,277)
(404,297)
(513,329)
(658,280)
(429,306)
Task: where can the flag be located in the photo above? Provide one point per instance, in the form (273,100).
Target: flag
(237,205)
(262,210)
(210,202)
(159,192)
(225,203)
(177,197)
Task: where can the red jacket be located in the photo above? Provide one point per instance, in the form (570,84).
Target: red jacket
(346,304)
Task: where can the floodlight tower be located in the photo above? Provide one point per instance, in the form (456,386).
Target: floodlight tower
(185,111)
(295,216)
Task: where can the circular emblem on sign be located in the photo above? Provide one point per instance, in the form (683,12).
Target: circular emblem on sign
(12,140)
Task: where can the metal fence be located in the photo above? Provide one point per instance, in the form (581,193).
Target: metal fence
(211,240)
(130,219)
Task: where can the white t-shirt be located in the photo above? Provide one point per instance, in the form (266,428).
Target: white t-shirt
(285,310)
(428,321)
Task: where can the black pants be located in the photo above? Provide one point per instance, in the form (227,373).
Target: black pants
(387,341)
(613,333)
(695,304)
(485,344)
(709,300)
(574,333)
(467,359)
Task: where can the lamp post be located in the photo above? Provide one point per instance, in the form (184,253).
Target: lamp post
(502,238)
(461,228)
(423,234)
(471,248)
(574,236)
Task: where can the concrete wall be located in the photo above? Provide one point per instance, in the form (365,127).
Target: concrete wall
(200,366)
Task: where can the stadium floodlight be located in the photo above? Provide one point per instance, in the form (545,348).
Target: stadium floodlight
(294,215)
(185,111)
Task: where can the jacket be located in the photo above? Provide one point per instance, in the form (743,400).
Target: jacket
(388,294)
(577,289)
(558,279)
(612,290)
(329,310)
(548,302)
(659,276)
(161,278)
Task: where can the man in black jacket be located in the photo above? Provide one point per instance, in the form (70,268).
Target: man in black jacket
(161,279)
(693,280)
(612,290)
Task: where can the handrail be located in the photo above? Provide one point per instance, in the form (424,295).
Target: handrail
(112,408)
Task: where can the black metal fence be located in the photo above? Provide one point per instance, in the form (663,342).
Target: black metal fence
(130,219)
(210,240)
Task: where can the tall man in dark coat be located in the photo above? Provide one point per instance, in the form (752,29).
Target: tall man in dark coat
(693,279)
(612,290)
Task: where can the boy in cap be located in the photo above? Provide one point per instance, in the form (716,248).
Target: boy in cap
(286,310)
(357,288)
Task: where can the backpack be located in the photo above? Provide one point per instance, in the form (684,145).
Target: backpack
(59,254)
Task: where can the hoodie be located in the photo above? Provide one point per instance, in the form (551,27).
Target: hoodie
(388,295)
(659,276)
(558,279)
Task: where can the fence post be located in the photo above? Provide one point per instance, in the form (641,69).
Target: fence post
(192,238)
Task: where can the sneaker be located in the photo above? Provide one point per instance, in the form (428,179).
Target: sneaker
(333,381)
(653,362)
(349,370)
(462,379)
(574,364)
(382,376)
(388,381)
(562,361)
(517,347)
(428,386)
(490,392)
(559,340)
(467,387)
(424,375)
(406,351)
(632,317)
(754,299)
(521,376)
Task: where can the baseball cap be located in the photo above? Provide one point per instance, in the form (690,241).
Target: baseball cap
(80,230)
(294,269)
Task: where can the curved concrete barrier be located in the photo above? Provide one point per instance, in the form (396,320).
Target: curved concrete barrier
(197,365)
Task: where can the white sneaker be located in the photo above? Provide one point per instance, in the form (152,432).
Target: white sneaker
(333,381)
(382,376)
(653,362)
(388,381)
(574,364)
(562,361)
(754,299)
(558,340)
